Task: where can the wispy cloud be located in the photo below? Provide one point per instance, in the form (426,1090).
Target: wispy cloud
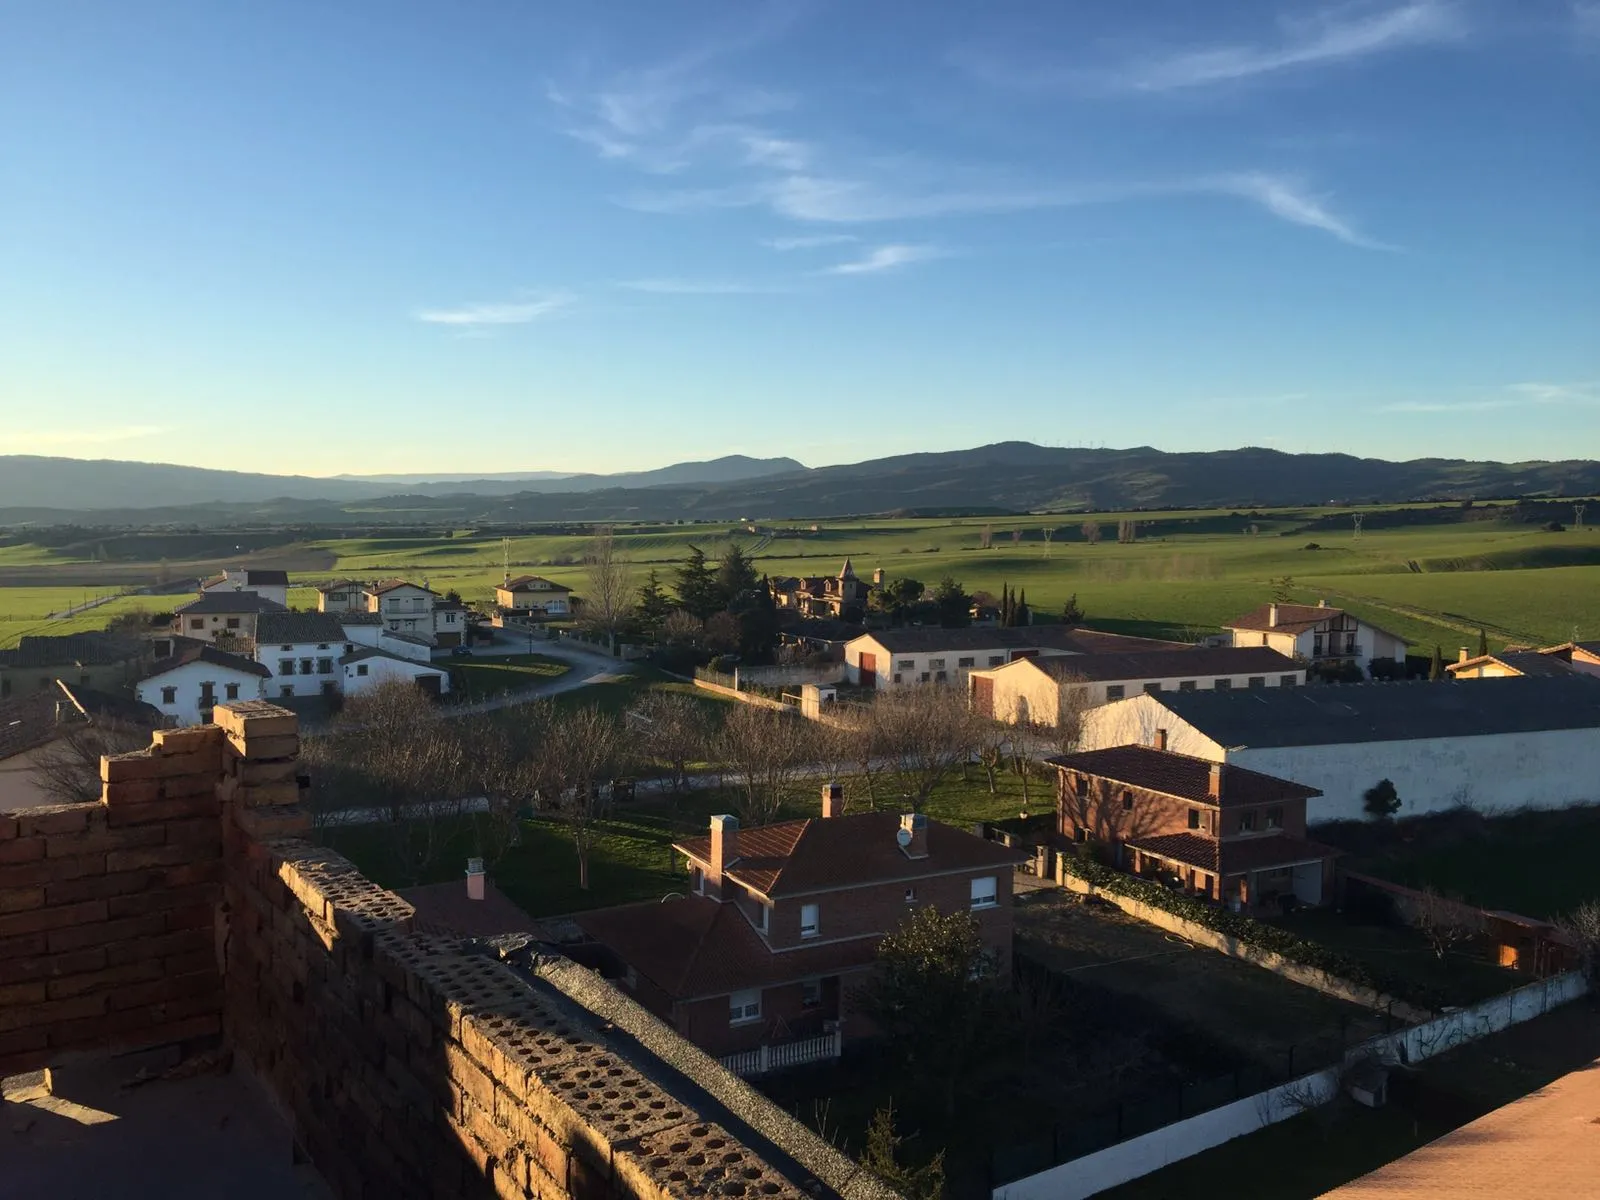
(884,258)
(28,441)
(1340,33)
(1283,199)
(487,316)
(809,241)
(1511,396)
(699,287)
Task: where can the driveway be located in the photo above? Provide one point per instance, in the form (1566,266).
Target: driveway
(587,666)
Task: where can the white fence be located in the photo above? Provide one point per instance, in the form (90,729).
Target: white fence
(765,1059)
(1150,1152)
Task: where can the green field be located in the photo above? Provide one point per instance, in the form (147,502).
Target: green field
(1433,584)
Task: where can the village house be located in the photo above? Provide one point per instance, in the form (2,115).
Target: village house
(1213,829)
(1317,634)
(842,596)
(782,922)
(418,611)
(106,662)
(341,596)
(1508,663)
(33,723)
(1582,657)
(301,651)
(225,616)
(195,677)
(1041,691)
(532,598)
(269,585)
(1520,742)
(366,667)
(888,658)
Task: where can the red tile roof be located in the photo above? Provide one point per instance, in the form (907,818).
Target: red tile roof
(1292,618)
(523,582)
(1234,856)
(1182,775)
(1523,662)
(793,857)
(389,585)
(697,947)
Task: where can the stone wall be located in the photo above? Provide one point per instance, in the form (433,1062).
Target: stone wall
(407,1064)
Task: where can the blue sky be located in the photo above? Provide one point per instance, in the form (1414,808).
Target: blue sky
(513,235)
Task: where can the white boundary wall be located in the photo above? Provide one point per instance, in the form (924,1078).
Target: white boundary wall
(1083,1177)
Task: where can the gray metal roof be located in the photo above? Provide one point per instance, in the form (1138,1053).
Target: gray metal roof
(1338,714)
(287,627)
(230,602)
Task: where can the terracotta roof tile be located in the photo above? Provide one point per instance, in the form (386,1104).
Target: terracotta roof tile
(1167,664)
(1235,855)
(1182,775)
(1523,662)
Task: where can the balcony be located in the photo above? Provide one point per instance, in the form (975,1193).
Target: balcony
(764,1060)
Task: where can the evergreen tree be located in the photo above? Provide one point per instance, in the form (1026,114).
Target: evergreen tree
(757,614)
(1436,668)
(1072,612)
(1483,642)
(736,575)
(696,585)
(1020,614)
(953,604)
(653,605)
(882,1158)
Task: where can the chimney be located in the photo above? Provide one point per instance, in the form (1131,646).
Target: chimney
(724,847)
(1160,742)
(1214,782)
(1463,656)
(474,879)
(1323,603)
(877,577)
(832,799)
(913,835)
(1272,615)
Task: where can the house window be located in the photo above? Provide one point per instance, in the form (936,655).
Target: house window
(996,660)
(393,605)
(898,678)
(1275,817)
(965,662)
(231,691)
(1286,681)
(330,688)
(1247,821)
(941,676)
(906,664)
(1258,681)
(1152,688)
(324,666)
(1350,644)
(811,993)
(1205,884)
(1188,685)
(286,692)
(361,668)
(810,917)
(286,666)
(1316,646)
(925,677)
(449,618)
(322,645)
(936,664)
(306,666)
(197,622)
(984,892)
(744,1007)
(1194,818)
(169,695)
(208,694)
(911,895)
(1115,691)
(1127,801)
(233,622)
(1222,685)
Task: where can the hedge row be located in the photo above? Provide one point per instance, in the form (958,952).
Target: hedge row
(1246,929)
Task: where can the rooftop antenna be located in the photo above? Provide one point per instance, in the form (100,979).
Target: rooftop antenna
(1358,517)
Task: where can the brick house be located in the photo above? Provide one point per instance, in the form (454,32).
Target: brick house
(1216,830)
(782,922)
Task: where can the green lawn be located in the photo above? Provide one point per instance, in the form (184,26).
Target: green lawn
(483,676)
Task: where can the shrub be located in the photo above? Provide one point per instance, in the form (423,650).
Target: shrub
(1381,801)
(1313,546)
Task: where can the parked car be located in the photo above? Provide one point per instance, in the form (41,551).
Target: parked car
(460,652)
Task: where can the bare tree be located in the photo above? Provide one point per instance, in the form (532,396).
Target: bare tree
(986,537)
(1016,536)
(1445,921)
(579,754)
(765,752)
(1091,532)
(1583,927)
(682,629)
(674,729)
(1127,530)
(68,769)
(608,581)
(924,734)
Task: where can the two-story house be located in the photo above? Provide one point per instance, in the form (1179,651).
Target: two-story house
(106,662)
(270,585)
(1317,634)
(194,677)
(840,597)
(451,620)
(782,922)
(532,597)
(341,596)
(302,653)
(228,617)
(887,658)
(1215,830)
(404,607)
(1042,691)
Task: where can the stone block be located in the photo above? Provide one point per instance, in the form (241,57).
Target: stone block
(188,741)
(137,764)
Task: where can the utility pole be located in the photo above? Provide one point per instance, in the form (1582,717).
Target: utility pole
(505,554)
(1358,517)
(1577,514)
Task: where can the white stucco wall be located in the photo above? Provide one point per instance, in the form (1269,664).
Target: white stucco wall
(385,670)
(276,592)
(911,665)
(300,682)
(403,648)
(1370,643)
(185,708)
(1134,721)
(1040,690)
(1549,769)
(19,786)
(362,635)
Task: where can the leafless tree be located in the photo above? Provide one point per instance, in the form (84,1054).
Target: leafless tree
(1072,706)
(924,734)
(1091,532)
(986,538)
(992,743)
(1583,927)
(608,581)
(580,752)
(765,751)
(674,729)
(1127,530)
(504,768)
(68,769)
(1445,921)
(1016,536)
(682,629)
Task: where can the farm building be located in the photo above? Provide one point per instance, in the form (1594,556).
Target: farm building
(1038,690)
(1519,742)
(927,654)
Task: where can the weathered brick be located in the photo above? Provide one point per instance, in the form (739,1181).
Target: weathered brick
(99,841)
(252,772)
(140,764)
(265,747)
(209,871)
(192,787)
(21,850)
(287,820)
(134,1028)
(18,1041)
(99,887)
(53,818)
(159,810)
(148,856)
(268,794)
(159,945)
(200,830)
(188,964)
(103,933)
(470,1077)
(166,990)
(162,899)
(257,717)
(195,916)
(47,966)
(192,740)
(22,993)
(43,919)
(8,827)
(55,870)
(130,791)
(33,1016)
(20,899)
(24,946)
(105,978)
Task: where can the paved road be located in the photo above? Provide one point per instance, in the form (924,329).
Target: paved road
(587,666)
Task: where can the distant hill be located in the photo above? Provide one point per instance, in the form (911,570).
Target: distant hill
(81,485)
(1005,477)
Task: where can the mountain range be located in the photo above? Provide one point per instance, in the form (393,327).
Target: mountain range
(1004,477)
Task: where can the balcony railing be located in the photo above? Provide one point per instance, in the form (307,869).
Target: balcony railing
(763,1060)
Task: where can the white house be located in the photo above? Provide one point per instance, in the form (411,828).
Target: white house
(450,623)
(185,686)
(341,596)
(404,607)
(270,585)
(365,668)
(1034,690)
(889,658)
(1318,634)
(225,615)
(362,628)
(301,651)
(532,596)
(405,645)
(1519,742)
